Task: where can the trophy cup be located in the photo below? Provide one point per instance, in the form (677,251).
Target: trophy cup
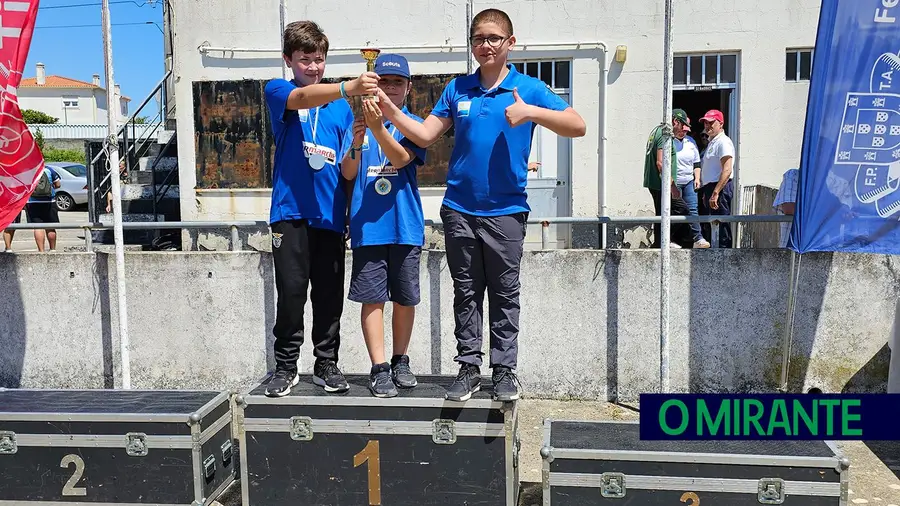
(370,54)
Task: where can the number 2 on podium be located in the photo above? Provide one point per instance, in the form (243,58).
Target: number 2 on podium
(692,497)
(372,455)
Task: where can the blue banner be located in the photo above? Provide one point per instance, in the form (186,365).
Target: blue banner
(848,198)
(770,416)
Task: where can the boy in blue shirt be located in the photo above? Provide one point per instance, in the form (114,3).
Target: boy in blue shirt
(309,203)
(484,213)
(387,226)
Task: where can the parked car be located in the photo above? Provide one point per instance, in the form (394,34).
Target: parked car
(73,188)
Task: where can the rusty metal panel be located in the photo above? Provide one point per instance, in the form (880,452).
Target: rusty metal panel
(232,135)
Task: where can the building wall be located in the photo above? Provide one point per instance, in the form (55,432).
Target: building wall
(204,320)
(771,111)
(91,104)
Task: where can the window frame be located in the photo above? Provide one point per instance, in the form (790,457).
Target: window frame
(719,84)
(796,53)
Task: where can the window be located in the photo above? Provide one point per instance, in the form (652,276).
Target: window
(714,70)
(556,74)
(798,64)
(70,102)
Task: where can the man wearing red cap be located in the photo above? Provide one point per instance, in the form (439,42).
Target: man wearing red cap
(716,188)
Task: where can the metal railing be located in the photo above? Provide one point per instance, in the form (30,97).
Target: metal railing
(545,223)
(136,139)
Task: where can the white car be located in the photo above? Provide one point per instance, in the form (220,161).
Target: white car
(73,190)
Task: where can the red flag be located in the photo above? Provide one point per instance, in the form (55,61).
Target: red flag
(21,161)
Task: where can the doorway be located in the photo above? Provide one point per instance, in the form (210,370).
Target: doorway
(696,103)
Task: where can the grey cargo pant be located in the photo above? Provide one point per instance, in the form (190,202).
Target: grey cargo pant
(485,253)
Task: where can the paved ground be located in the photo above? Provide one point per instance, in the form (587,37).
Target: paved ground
(23,241)
(871,481)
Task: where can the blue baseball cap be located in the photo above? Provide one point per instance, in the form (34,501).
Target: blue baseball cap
(392,65)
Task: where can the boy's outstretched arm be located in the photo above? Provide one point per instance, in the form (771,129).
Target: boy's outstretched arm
(422,134)
(350,163)
(315,95)
(567,122)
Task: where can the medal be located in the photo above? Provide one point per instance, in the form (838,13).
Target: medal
(382,186)
(317,161)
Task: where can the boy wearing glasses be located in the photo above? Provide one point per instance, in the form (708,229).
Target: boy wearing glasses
(484,213)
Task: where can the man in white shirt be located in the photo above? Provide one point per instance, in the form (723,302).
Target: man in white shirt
(716,187)
(688,176)
(785,202)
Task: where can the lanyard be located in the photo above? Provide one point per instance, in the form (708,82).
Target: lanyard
(380,153)
(315,125)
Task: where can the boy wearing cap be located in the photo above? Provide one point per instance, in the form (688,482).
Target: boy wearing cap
(308,206)
(716,188)
(387,226)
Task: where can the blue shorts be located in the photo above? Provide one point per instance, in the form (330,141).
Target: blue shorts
(385,273)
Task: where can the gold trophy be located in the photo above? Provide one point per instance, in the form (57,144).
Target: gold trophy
(370,54)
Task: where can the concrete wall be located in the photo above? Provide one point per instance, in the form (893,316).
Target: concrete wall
(770,115)
(589,329)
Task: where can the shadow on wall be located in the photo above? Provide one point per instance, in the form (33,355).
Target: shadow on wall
(12,324)
(743,339)
(266,271)
(102,297)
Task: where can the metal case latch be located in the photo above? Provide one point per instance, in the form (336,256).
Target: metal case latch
(301,428)
(443,432)
(137,444)
(209,466)
(613,485)
(771,491)
(227,451)
(8,444)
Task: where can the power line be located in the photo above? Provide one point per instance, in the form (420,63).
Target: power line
(95,26)
(112,2)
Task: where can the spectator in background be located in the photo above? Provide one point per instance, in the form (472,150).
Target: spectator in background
(9,234)
(41,208)
(716,187)
(680,233)
(688,177)
(785,202)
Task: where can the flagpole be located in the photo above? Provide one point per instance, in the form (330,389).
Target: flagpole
(112,145)
(666,201)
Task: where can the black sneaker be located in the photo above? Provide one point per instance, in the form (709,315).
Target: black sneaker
(401,373)
(506,384)
(380,381)
(281,383)
(467,382)
(327,375)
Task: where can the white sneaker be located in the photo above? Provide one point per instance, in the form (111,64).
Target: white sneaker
(701,244)
(672,245)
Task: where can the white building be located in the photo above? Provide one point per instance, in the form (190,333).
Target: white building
(73,101)
(749,58)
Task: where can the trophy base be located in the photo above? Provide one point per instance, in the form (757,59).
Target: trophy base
(370,98)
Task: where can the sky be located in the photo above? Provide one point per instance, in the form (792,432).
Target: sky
(69,42)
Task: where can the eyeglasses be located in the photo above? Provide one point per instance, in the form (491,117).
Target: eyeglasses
(494,41)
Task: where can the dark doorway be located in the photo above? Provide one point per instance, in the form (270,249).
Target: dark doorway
(696,103)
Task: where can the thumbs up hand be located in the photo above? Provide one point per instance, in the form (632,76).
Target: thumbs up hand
(519,112)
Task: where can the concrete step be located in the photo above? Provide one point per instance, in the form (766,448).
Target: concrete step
(140,237)
(146,177)
(133,191)
(145,163)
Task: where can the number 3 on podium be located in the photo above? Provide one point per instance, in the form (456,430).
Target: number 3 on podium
(692,497)
(371,455)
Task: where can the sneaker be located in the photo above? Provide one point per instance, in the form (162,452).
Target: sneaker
(281,383)
(380,381)
(401,373)
(506,384)
(701,244)
(467,382)
(327,375)
(673,245)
